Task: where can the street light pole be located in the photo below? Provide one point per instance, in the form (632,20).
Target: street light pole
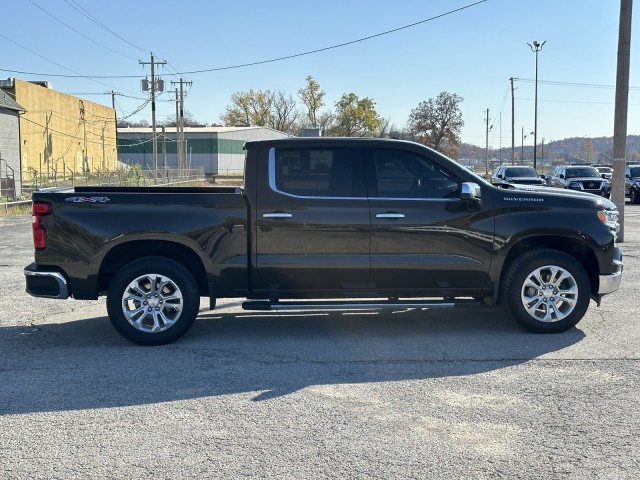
(536,47)
(522,148)
(486,152)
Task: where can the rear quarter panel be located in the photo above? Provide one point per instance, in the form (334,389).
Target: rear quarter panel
(81,233)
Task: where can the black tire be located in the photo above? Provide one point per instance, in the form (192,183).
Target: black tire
(633,196)
(153,301)
(554,287)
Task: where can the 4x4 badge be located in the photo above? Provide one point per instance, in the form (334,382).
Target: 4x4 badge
(87,199)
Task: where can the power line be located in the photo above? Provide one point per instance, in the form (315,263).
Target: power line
(571,84)
(262,62)
(84,12)
(93,79)
(78,32)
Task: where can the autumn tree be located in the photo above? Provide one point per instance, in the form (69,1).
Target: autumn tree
(252,108)
(588,151)
(355,117)
(312,98)
(437,123)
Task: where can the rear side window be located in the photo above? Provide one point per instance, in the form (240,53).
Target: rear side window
(308,172)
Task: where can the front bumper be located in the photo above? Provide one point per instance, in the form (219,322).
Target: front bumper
(610,282)
(45,283)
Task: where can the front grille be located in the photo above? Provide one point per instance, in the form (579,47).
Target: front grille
(533,181)
(590,186)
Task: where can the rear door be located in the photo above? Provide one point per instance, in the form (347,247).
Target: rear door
(312,223)
(424,239)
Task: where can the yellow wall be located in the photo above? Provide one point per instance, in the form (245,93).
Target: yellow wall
(54,131)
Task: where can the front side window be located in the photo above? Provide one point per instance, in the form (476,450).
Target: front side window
(309,172)
(402,174)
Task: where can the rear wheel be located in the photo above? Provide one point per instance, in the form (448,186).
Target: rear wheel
(546,291)
(153,301)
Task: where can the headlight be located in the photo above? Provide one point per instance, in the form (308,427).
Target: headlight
(575,185)
(610,219)
(605,183)
(638,184)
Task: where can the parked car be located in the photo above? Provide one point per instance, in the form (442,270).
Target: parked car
(584,178)
(509,174)
(604,171)
(549,176)
(632,183)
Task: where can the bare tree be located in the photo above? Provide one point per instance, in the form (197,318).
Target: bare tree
(386,126)
(284,113)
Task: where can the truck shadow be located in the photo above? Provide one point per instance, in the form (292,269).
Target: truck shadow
(86,364)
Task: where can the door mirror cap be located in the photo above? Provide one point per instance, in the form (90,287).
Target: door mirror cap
(470,191)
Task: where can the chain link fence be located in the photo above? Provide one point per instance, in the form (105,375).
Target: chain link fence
(16,196)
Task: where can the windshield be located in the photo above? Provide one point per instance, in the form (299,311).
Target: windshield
(588,172)
(520,172)
(605,169)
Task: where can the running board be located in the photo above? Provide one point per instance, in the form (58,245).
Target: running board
(356,305)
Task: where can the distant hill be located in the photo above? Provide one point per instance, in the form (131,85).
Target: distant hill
(589,150)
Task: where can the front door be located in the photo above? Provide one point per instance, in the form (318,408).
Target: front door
(424,238)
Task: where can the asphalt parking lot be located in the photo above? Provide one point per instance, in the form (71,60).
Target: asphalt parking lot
(406,394)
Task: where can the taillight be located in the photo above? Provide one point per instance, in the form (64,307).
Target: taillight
(38,210)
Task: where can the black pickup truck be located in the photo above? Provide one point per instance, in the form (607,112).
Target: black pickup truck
(368,223)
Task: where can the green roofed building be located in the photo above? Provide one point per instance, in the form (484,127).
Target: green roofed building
(217,149)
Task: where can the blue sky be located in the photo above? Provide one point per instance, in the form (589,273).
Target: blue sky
(472,52)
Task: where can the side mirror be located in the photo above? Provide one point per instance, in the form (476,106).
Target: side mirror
(470,192)
(561,176)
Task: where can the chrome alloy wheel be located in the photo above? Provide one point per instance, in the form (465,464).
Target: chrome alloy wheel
(549,293)
(152,303)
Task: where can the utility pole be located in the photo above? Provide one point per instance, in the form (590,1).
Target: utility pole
(513,125)
(153,63)
(536,47)
(522,152)
(85,157)
(182,144)
(164,151)
(621,108)
(115,117)
(113,105)
(178,142)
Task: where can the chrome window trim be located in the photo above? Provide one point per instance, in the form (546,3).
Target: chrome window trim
(274,188)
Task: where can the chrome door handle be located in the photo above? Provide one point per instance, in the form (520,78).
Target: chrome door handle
(276,215)
(389,215)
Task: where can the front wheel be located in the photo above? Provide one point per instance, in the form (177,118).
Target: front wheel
(153,301)
(633,196)
(546,291)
